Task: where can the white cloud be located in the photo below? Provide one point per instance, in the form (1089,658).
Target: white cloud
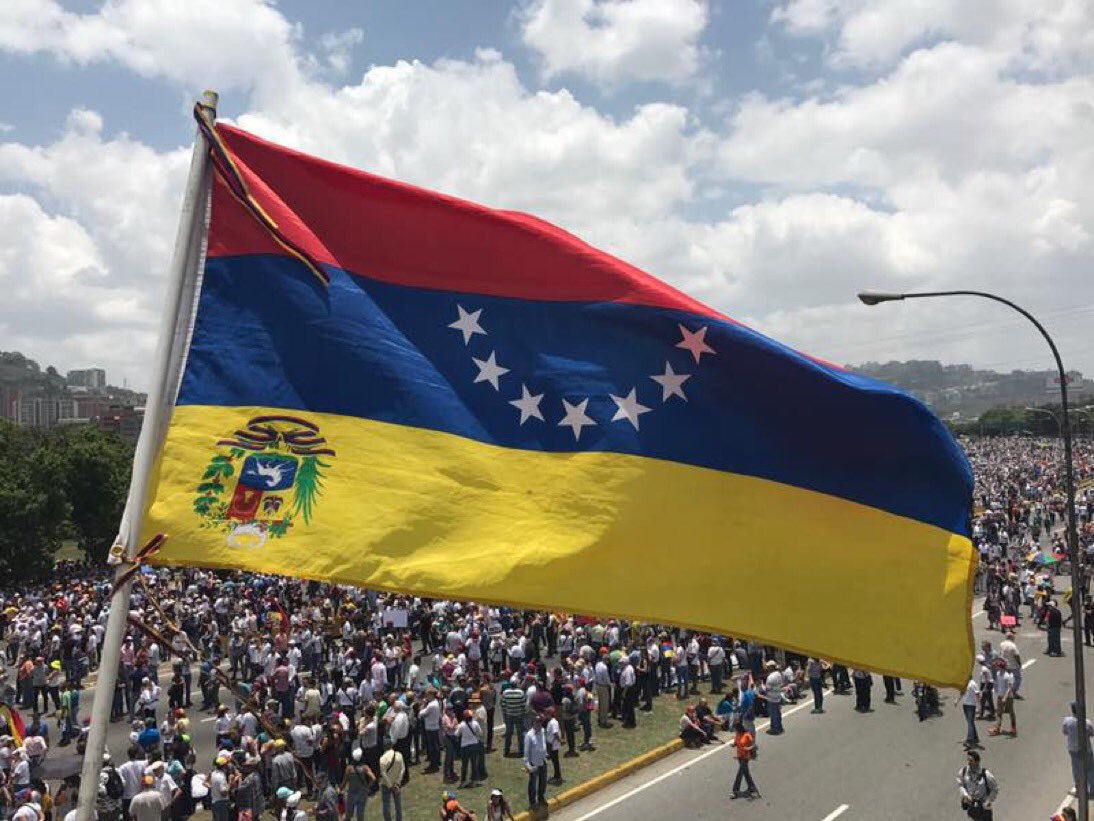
(60,302)
(1040,35)
(611,42)
(945,169)
(223,44)
(472,129)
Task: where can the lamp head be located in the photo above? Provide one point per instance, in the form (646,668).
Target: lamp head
(874,297)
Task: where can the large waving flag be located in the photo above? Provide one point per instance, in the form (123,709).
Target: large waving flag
(394,388)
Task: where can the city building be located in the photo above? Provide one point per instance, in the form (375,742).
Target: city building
(90,378)
(9,396)
(123,420)
(45,412)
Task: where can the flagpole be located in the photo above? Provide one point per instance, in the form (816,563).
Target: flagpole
(178,309)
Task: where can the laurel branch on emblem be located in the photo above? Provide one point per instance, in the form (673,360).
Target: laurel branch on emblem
(265,477)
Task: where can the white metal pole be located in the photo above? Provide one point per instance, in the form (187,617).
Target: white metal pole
(178,308)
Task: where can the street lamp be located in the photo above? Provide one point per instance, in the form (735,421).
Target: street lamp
(877,297)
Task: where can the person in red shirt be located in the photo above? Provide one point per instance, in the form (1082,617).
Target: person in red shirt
(746,751)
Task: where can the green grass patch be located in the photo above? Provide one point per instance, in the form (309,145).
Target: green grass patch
(615,746)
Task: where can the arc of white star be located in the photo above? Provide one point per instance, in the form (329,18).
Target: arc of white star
(695,341)
(575,417)
(489,370)
(672,383)
(468,323)
(628,408)
(528,405)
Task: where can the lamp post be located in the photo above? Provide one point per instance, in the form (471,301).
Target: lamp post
(877,297)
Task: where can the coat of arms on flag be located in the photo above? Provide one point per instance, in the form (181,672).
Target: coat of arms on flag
(263,479)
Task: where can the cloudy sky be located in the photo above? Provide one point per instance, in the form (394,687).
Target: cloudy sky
(770,157)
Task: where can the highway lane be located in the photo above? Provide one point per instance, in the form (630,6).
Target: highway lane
(884,764)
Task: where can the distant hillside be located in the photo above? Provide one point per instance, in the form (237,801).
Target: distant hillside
(28,378)
(961,389)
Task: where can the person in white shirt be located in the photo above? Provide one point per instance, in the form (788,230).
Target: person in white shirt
(1009,651)
(430,717)
(392,770)
(969,701)
(469,737)
(219,794)
(1004,698)
(552,732)
(716,659)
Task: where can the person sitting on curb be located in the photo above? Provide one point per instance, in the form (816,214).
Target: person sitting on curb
(691,731)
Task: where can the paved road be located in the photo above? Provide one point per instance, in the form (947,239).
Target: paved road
(885,764)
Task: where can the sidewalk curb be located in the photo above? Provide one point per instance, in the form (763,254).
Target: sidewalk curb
(603,780)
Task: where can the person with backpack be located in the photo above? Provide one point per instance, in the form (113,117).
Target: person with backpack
(978,788)
(108,803)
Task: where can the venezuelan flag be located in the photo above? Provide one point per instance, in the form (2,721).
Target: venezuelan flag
(17,728)
(394,388)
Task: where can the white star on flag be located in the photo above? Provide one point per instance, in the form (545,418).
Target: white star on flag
(468,323)
(629,408)
(694,341)
(528,404)
(489,370)
(672,384)
(575,417)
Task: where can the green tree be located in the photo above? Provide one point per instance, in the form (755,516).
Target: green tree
(96,481)
(32,503)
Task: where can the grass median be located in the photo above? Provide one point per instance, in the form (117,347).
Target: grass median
(614,746)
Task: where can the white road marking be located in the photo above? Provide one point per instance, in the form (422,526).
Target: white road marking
(836,813)
(1067,802)
(762,726)
(1029,663)
(207,720)
(976,615)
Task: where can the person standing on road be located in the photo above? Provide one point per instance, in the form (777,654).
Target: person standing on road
(1070,729)
(1009,652)
(745,743)
(773,695)
(978,788)
(968,706)
(815,670)
(1054,622)
(863,682)
(1004,696)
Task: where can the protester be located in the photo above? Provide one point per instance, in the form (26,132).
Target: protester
(978,788)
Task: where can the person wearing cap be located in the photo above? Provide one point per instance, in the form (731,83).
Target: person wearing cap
(108,802)
(219,790)
(292,811)
(452,810)
(499,808)
(148,804)
(357,784)
(282,767)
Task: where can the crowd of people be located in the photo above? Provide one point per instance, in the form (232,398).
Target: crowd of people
(334,698)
